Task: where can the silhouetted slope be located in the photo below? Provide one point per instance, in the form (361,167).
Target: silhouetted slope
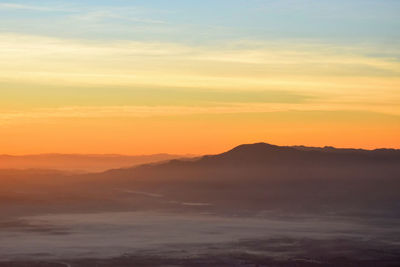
(263,176)
(79,162)
(250,177)
(264,158)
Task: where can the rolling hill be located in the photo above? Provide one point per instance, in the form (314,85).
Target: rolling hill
(254,178)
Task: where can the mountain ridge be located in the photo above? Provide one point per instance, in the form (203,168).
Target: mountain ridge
(79,162)
(248,177)
(258,152)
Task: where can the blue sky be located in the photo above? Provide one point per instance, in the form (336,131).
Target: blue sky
(343,21)
(311,72)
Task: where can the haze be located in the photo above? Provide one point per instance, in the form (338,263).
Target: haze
(199,133)
(107,77)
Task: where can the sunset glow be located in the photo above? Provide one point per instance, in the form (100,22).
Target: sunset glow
(136,78)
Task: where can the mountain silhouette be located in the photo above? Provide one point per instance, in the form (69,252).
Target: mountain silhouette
(263,176)
(79,162)
(250,177)
(263,158)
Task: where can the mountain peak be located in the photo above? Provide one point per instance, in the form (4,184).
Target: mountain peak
(254,151)
(253,147)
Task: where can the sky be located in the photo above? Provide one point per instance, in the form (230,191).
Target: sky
(198,77)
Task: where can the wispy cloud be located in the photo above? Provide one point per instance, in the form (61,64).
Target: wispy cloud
(30,7)
(134,111)
(342,74)
(101,14)
(165,111)
(90,14)
(315,67)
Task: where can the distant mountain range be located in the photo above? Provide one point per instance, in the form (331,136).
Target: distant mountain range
(264,176)
(255,177)
(270,162)
(80,162)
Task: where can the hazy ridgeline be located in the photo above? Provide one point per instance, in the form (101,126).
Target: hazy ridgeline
(249,178)
(253,192)
(78,162)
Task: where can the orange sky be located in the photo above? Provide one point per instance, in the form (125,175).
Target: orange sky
(199,134)
(85,83)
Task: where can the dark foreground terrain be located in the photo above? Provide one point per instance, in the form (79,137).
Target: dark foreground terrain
(209,260)
(187,239)
(256,205)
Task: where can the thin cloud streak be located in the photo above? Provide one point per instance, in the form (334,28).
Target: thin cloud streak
(341,74)
(87,13)
(156,111)
(30,7)
(101,14)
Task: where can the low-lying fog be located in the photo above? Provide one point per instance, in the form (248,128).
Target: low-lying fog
(105,235)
